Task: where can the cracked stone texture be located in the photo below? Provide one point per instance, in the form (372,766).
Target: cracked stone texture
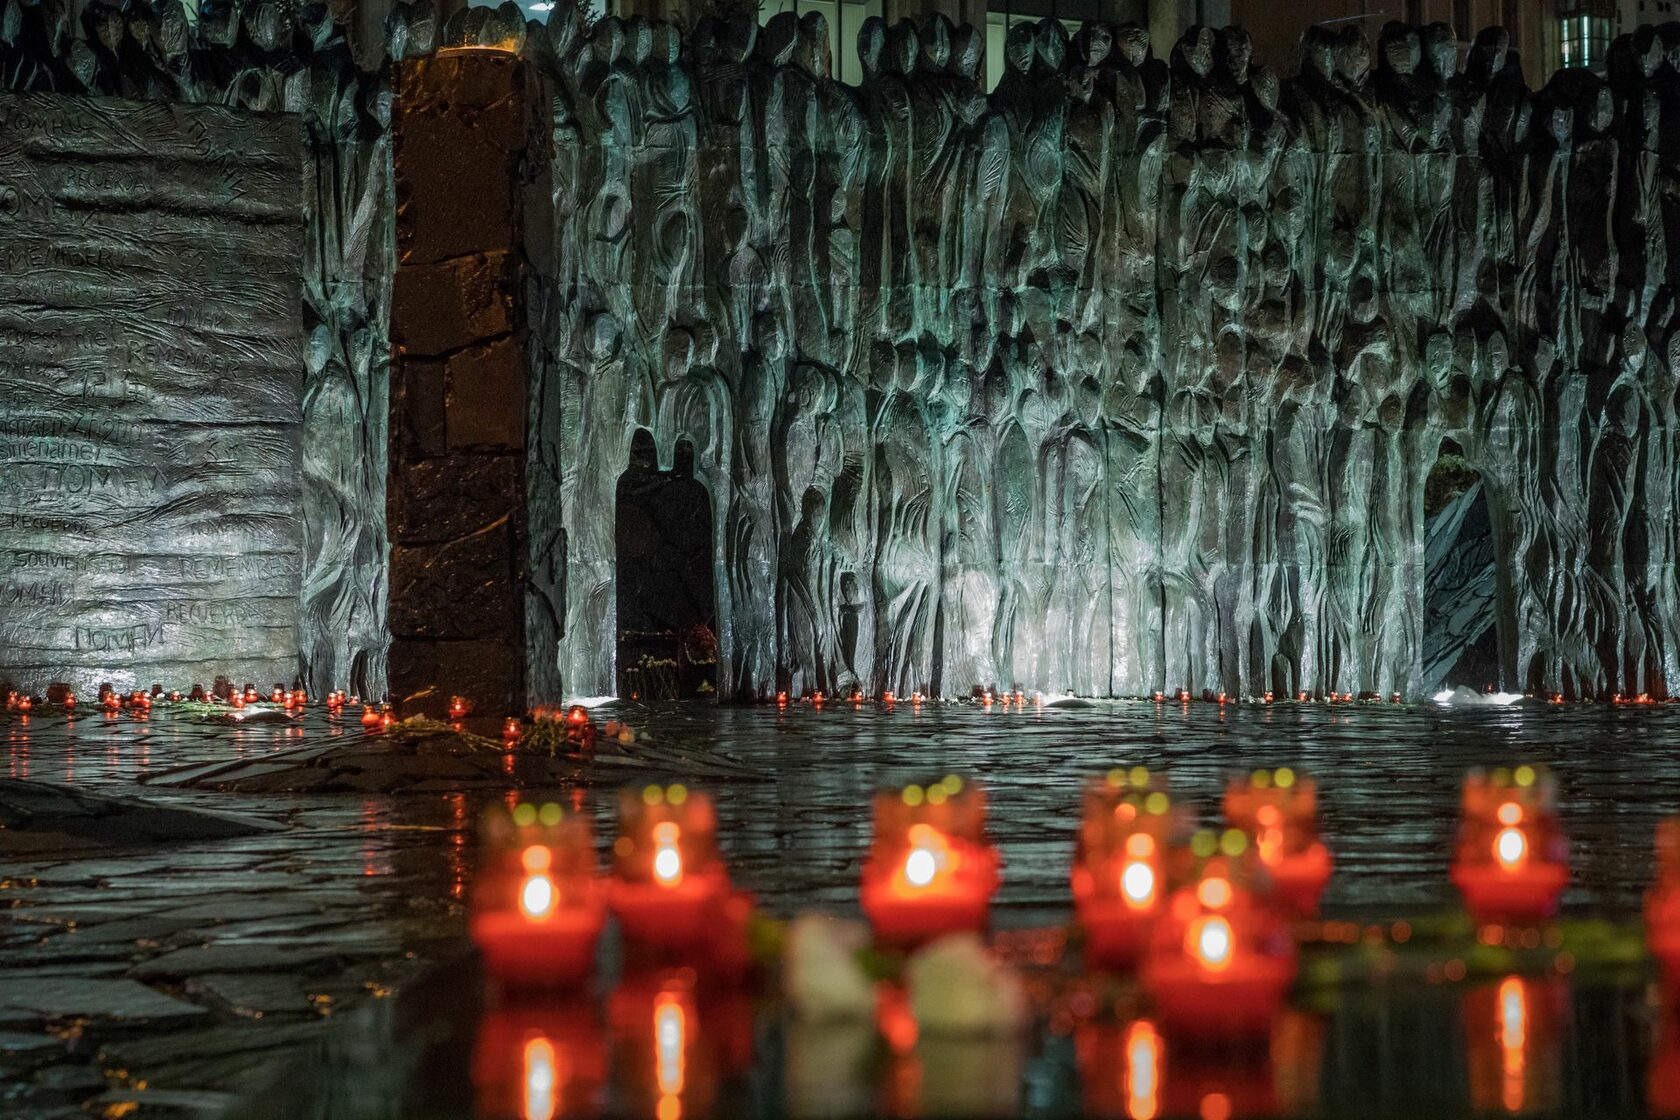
(189,975)
(55,818)
(174,970)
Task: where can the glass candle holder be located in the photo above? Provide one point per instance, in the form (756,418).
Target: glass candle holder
(1119,879)
(1220,961)
(1512,862)
(580,730)
(1279,811)
(537,911)
(670,886)
(930,870)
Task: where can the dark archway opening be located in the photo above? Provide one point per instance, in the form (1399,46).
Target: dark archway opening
(1460,590)
(667,607)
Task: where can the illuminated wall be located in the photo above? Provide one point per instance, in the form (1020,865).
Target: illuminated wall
(1127,376)
(192,409)
(151,380)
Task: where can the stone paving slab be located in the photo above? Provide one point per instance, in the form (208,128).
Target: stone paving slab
(12,1042)
(43,817)
(68,997)
(247,994)
(160,1102)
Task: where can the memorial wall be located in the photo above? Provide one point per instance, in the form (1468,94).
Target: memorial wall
(197,266)
(151,377)
(1131,375)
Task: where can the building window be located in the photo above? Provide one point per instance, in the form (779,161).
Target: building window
(1584,39)
(844,18)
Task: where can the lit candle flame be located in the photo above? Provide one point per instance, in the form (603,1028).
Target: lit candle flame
(919,867)
(1209,941)
(1137,876)
(926,856)
(1510,848)
(542,1079)
(1137,884)
(667,860)
(536,897)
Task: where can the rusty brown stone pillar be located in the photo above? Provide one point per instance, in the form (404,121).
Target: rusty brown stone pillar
(457,487)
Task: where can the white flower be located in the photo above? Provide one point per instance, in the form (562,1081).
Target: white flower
(957,988)
(820,970)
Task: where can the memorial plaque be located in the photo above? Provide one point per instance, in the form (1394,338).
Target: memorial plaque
(151,372)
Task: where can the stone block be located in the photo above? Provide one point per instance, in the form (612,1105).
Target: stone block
(417,396)
(467,83)
(459,134)
(449,499)
(457,589)
(425,674)
(439,308)
(456,485)
(486,396)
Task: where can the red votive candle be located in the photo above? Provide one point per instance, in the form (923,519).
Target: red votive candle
(1119,867)
(579,728)
(1219,962)
(930,871)
(537,912)
(1662,906)
(1512,860)
(1279,811)
(669,885)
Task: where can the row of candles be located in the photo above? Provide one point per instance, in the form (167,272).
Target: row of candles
(1205,919)
(140,701)
(297,698)
(579,728)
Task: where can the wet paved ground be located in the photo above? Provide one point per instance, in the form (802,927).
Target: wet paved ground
(294,971)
